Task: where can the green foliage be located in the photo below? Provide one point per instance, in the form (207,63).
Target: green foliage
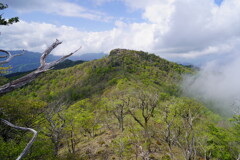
(81,116)
(41,149)
(4,21)
(218,143)
(4,70)
(235,133)
(236,124)
(21,109)
(122,147)
(127,105)
(3,80)
(10,149)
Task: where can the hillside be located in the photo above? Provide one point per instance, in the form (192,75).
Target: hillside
(124,106)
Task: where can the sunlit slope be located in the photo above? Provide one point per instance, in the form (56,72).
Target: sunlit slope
(81,106)
(92,78)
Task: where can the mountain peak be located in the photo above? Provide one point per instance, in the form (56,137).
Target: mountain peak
(118,51)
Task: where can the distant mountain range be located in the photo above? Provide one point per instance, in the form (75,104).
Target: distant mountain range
(65,64)
(30,60)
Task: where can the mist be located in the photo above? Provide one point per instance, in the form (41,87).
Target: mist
(217,84)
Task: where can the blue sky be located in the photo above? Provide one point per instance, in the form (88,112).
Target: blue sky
(218,2)
(114,10)
(174,29)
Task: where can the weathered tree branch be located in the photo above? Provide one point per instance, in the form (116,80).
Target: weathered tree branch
(9,55)
(31,76)
(24,152)
(27,79)
(3,56)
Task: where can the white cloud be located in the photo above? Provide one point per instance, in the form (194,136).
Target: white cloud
(217,84)
(39,35)
(173,28)
(59,7)
(190,26)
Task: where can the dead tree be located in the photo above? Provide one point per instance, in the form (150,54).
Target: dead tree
(55,124)
(24,152)
(31,76)
(20,82)
(9,56)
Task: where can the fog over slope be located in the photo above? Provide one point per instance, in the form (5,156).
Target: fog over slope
(217,83)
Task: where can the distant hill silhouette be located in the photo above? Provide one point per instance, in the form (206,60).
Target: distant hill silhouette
(30,60)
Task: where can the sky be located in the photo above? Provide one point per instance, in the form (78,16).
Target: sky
(179,30)
(200,32)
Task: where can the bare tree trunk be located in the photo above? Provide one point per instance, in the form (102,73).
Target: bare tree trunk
(9,56)
(24,152)
(238,157)
(27,79)
(31,76)
(72,141)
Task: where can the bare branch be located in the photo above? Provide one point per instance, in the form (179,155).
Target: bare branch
(47,52)
(9,55)
(31,76)
(48,66)
(3,56)
(62,59)
(135,118)
(24,152)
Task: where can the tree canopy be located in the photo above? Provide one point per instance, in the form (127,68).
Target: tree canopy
(4,21)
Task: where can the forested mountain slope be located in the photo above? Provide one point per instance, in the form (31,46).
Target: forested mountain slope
(124,106)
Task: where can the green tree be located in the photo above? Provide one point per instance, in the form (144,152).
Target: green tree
(179,123)
(236,132)
(219,143)
(143,111)
(53,124)
(82,114)
(4,21)
(118,104)
(122,147)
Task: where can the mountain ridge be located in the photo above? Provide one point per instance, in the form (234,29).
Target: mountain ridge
(126,105)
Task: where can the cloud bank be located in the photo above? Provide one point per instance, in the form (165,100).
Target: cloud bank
(38,36)
(217,84)
(172,28)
